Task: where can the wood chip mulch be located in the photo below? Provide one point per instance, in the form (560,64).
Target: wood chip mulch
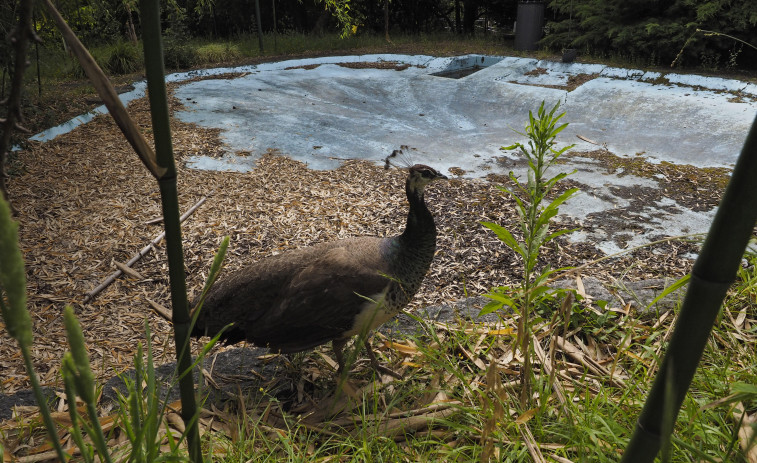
(84,200)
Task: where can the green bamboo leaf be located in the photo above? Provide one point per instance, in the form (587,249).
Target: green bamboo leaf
(546,215)
(521,210)
(204,351)
(531,259)
(497,302)
(558,233)
(540,234)
(154,412)
(490,307)
(558,129)
(538,290)
(506,190)
(18,323)
(745,391)
(561,151)
(124,410)
(215,270)
(136,400)
(679,283)
(546,273)
(550,183)
(513,178)
(554,109)
(562,198)
(503,234)
(555,179)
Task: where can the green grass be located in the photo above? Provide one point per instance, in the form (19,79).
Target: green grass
(475,370)
(120,58)
(592,424)
(218,53)
(471,370)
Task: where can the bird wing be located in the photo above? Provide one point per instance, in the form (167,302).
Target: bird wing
(323,297)
(298,299)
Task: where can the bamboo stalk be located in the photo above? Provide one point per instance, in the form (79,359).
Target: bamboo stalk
(169,199)
(142,252)
(19,40)
(714,271)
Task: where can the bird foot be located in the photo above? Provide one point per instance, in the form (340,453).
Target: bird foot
(387,371)
(377,366)
(339,345)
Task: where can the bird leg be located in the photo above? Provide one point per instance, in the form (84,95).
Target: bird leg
(338,346)
(376,365)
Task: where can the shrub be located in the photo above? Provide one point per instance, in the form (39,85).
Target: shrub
(124,58)
(178,55)
(217,53)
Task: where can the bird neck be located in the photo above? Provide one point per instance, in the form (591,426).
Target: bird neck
(420,231)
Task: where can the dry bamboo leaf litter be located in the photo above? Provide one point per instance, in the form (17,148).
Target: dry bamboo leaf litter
(85,201)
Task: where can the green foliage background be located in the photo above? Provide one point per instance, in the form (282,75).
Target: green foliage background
(643,32)
(654,31)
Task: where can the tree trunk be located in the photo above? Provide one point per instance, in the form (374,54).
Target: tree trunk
(259,25)
(273,9)
(19,39)
(320,24)
(386,20)
(458,26)
(470,15)
(130,31)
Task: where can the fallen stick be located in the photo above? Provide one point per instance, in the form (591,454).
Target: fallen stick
(128,270)
(587,139)
(164,312)
(572,351)
(143,252)
(531,444)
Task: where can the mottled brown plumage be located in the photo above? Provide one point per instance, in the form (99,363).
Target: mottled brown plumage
(327,292)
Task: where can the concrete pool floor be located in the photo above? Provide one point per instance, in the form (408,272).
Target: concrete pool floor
(628,126)
(324,110)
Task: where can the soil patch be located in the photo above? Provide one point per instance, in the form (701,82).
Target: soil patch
(697,188)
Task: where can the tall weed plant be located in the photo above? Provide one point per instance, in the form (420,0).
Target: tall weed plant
(18,322)
(78,378)
(141,413)
(535,212)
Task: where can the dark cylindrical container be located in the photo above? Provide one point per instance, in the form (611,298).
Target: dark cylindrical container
(529,25)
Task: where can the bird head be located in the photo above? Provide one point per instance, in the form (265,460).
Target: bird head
(421,175)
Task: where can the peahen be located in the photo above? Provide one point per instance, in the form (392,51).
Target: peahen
(331,291)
